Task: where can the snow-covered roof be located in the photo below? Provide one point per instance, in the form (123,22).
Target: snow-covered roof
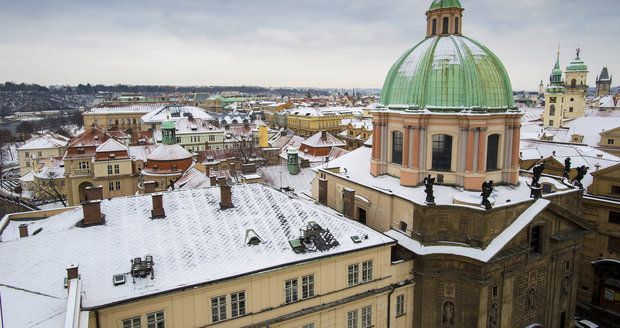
(483,255)
(196,243)
(326,111)
(192,179)
(111,145)
(54,172)
(45,141)
(138,108)
(278,176)
(317,140)
(25,308)
(196,125)
(165,152)
(354,166)
(175,113)
(140,153)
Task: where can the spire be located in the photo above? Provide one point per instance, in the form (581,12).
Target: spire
(557,61)
(556,74)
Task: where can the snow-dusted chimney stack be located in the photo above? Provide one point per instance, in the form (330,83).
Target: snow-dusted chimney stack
(158,206)
(149,187)
(225,194)
(23,230)
(212,180)
(92,213)
(73,271)
(94,193)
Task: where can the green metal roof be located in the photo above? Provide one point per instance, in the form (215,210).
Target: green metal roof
(438,4)
(448,73)
(577,65)
(168,125)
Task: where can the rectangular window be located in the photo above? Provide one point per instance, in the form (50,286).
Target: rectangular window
(211,138)
(550,122)
(39,154)
(614,217)
(307,286)
(535,240)
(615,190)
(237,304)
(117,169)
(403,226)
(110,186)
(218,308)
(290,291)
(352,319)
(118,185)
(400,305)
(366,271)
(27,154)
(353,274)
(310,325)
(27,164)
(367,317)
(83,165)
(610,141)
(155,320)
(613,244)
(132,322)
(109,169)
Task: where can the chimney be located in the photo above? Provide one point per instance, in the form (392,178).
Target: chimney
(225,195)
(94,193)
(149,187)
(72,271)
(212,180)
(23,230)
(323,135)
(158,206)
(221,181)
(92,213)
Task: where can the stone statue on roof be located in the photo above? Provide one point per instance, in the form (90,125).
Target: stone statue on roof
(581,173)
(566,167)
(487,190)
(428,183)
(537,170)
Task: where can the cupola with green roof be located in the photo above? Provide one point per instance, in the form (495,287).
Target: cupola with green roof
(448,71)
(168,132)
(577,65)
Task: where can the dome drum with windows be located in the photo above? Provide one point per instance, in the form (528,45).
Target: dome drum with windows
(447,109)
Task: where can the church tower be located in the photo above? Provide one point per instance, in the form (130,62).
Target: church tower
(576,85)
(554,97)
(603,83)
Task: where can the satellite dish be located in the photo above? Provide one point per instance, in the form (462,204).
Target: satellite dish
(229,181)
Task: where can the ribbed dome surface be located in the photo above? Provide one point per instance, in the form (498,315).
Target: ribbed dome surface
(437,4)
(448,73)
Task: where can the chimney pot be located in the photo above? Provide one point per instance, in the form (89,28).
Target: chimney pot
(23,230)
(92,213)
(149,187)
(212,180)
(72,271)
(94,193)
(158,206)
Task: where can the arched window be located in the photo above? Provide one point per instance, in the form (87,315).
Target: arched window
(492,152)
(446,22)
(397,147)
(573,83)
(434,27)
(456,25)
(442,152)
(552,110)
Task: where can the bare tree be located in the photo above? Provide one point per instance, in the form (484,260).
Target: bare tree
(48,187)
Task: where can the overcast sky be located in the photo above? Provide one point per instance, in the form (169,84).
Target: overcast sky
(313,43)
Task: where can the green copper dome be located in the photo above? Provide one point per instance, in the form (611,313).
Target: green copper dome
(167,124)
(577,65)
(438,4)
(448,73)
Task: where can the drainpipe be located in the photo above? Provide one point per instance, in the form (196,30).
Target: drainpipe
(97,319)
(389,301)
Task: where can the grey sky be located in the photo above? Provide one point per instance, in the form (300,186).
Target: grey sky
(317,43)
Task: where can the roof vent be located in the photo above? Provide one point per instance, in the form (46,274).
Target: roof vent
(356,239)
(142,268)
(118,279)
(251,238)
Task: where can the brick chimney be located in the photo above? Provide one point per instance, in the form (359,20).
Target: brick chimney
(94,193)
(92,213)
(225,195)
(348,202)
(72,271)
(221,181)
(23,230)
(158,206)
(149,187)
(212,180)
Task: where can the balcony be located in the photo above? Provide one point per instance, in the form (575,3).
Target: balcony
(87,171)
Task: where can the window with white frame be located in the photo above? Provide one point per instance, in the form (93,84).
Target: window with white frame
(109,169)
(218,308)
(310,325)
(367,316)
(110,186)
(83,165)
(117,185)
(237,304)
(117,169)
(353,274)
(134,322)
(400,305)
(307,286)
(155,320)
(367,271)
(352,319)
(290,291)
